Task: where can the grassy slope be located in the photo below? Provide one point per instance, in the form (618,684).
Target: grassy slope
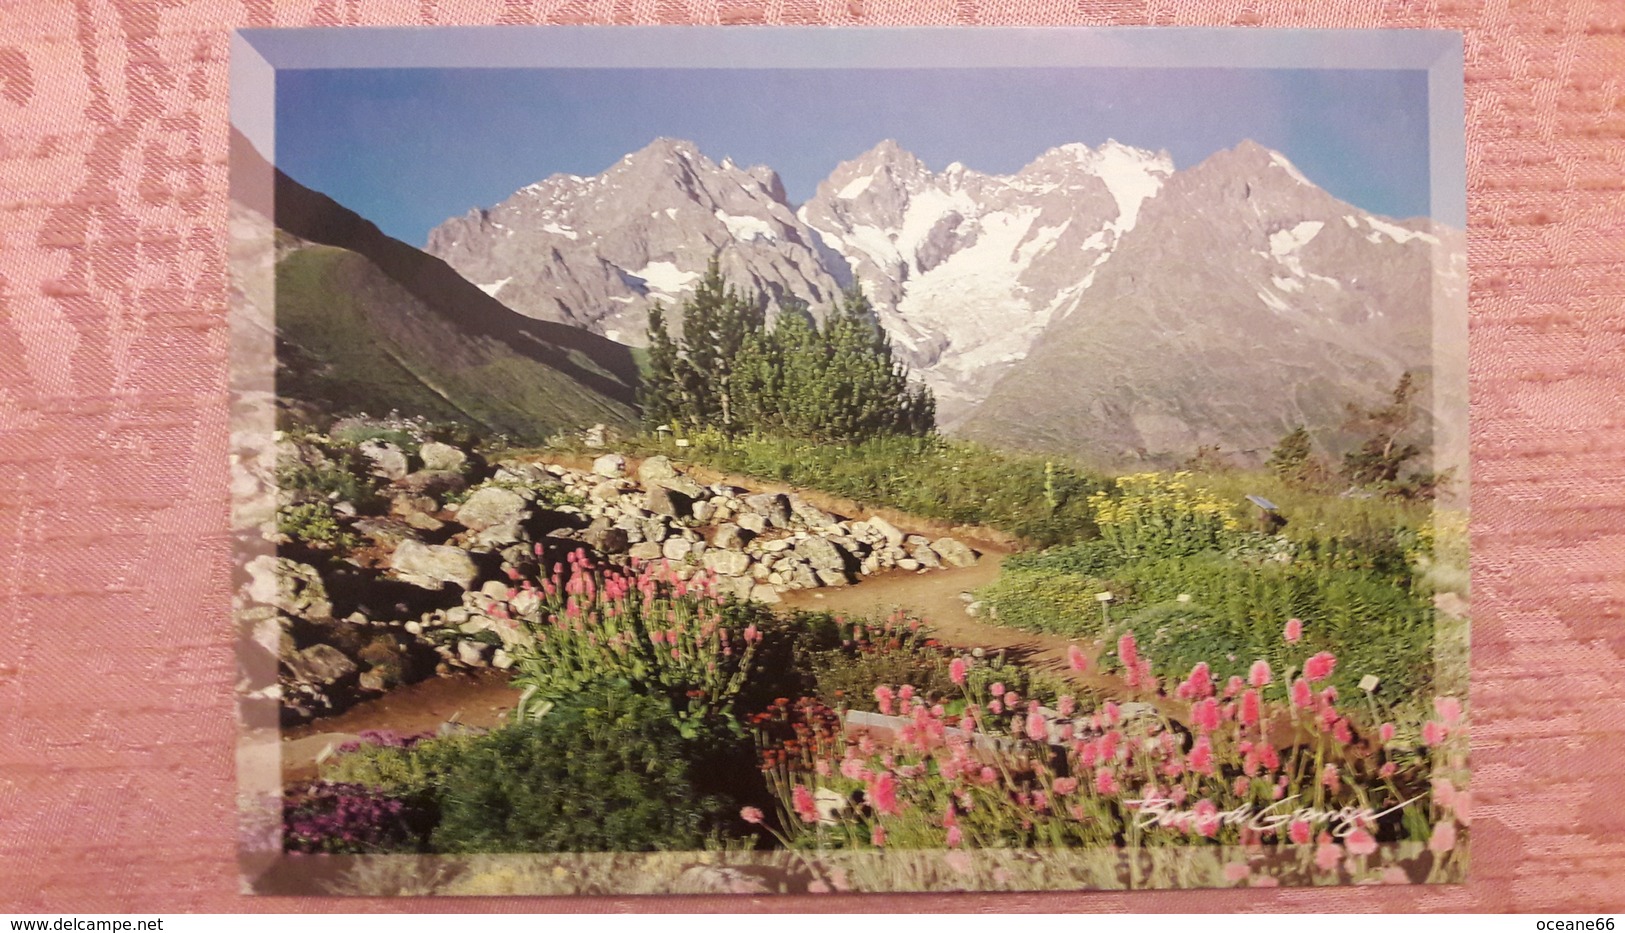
(353,340)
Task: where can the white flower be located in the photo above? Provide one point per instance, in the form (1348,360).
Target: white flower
(1103,597)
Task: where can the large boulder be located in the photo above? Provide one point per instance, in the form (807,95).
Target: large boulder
(954,552)
(753,523)
(293,588)
(610,465)
(440,457)
(892,534)
(605,538)
(822,554)
(925,556)
(647,550)
(388,460)
(810,514)
(435,483)
(730,536)
(322,666)
(386,533)
(727,563)
(491,505)
(772,506)
(431,565)
(663,501)
(677,549)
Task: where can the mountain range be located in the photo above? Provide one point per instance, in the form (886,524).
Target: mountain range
(1099,301)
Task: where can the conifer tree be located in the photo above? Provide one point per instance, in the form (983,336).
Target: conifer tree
(659,395)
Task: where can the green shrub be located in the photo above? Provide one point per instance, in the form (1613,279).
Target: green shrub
(316,525)
(1155,514)
(1045,600)
(1095,558)
(345,477)
(603,771)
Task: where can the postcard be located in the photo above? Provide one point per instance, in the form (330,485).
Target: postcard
(784,461)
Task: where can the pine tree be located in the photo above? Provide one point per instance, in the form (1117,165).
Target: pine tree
(1383,454)
(658,395)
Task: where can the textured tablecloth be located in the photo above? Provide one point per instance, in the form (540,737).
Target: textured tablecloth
(116,716)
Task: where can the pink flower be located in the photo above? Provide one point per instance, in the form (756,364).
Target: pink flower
(1443,839)
(1319,667)
(1387,770)
(1037,728)
(1201,756)
(1330,778)
(1113,713)
(806,808)
(1360,842)
(1249,708)
(852,769)
(1128,651)
(1105,782)
(1066,705)
(750,814)
(1236,871)
(882,792)
(997,690)
(1294,631)
(956,671)
(1299,832)
(1206,715)
(954,837)
(883,698)
(1240,787)
(1432,733)
(1076,659)
(877,836)
(1302,696)
(1326,856)
(905,692)
(1449,710)
(1066,785)
(1385,732)
(1260,674)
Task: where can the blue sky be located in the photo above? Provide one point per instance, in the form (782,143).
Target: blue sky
(409,148)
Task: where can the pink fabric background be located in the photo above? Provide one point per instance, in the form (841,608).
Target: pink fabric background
(116,718)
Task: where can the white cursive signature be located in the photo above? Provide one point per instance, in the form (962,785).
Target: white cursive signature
(1160,811)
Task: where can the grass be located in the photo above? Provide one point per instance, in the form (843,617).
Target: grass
(352,340)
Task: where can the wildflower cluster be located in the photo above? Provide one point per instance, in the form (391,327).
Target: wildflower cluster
(1154,515)
(350,819)
(648,629)
(1266,760)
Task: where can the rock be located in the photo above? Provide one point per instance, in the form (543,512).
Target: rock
(703,511)
(727,563)
(423,522)
(289,586)
(831,577)
(973,608)
(430,565)
(501,659)
(608,492)
(908,563)
(609,540)
(442,457)
(676,549)
(765,593)
(595,436)
(926,557)
(491,505)
(663,501)
(772,506)
(954,552)
(870,565)
(778,545)
(494,589)
(388,460)
(655,469)
(655,530)
(892,534)
(435,483)
(610,465)
(387,664)
(648,550)
(471,653)
(730,536)
(750,521)
(387,533)
(497,537)
(321,665)
(822,554)
(813,516)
